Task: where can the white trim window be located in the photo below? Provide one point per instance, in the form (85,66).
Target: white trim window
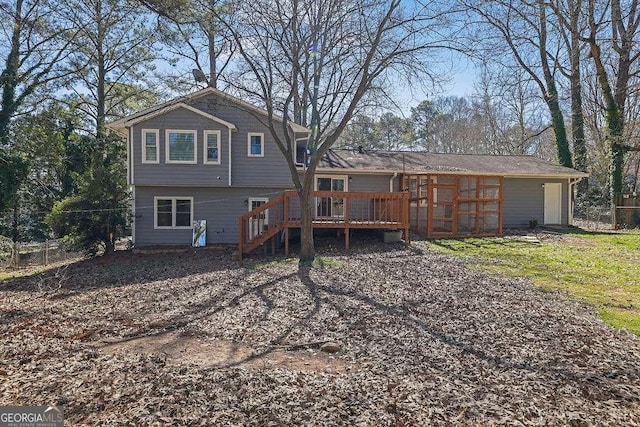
(181,146)
(211,147)
(330,207)
(150,144)
(172,212)
(255,144)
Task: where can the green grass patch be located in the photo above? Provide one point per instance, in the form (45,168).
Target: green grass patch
(261,265)
(17,273)
(321,261)
(621,318)
(5,276)
(602,269)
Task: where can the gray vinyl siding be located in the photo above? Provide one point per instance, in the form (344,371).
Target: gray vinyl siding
(180,174)
(363,183)
(523,200)
(366,183)
(221,207)
(270,170)
(363,208)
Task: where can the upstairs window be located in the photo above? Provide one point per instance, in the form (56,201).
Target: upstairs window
(150,141)
(181,146)
(173,212)
(212,147)
(256,144)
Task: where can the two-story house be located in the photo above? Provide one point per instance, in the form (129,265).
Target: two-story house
(210,156)
(202,156)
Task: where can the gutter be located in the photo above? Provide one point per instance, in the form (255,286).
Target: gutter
(351,171)
(395,174)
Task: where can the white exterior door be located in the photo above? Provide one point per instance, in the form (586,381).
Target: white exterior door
(259,223)
(552,203)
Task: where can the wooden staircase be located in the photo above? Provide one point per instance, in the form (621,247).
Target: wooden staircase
(261,230)
(332,209)
(262,238)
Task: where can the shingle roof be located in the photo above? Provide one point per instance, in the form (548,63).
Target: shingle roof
(423,162)
(123,122)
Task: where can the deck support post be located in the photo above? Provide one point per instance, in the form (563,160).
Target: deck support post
(346,239)
(242,237)
(347,207)
(286,241)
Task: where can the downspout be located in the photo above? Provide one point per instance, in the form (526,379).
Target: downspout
(133,215)
(572,182)
(128,158)
(131,160)
(229,132)
(133,157)
(395,174)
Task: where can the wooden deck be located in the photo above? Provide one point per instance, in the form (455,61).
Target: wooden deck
(332,210)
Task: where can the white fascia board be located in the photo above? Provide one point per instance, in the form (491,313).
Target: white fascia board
(175,107)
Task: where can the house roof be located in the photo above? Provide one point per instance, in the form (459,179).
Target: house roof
(155,113)
(140,116)
(462,164)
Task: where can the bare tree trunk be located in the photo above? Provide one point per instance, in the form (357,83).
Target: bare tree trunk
(109,244)
(213,73)
(577,114)
(307,248)
(614,100)
(102,74)
(557,120)
(9,79)
(15,235)
(551,94)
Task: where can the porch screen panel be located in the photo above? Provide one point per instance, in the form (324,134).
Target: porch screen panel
(490,205)
(467,205)
(442,196)
(467,218)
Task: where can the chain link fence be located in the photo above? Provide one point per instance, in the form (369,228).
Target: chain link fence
(32,254)
(601,217)
(593,217)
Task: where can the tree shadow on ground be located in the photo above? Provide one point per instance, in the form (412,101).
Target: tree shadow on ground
(321,294)
(120,268)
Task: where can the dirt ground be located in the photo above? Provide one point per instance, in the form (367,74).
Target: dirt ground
(197,338)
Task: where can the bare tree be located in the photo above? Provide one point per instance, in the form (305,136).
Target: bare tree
(35,47)
(525,31)
(513,113)
(35,44)
(360,132)
(614,26)
(191,34)
(317,62)
(569,14)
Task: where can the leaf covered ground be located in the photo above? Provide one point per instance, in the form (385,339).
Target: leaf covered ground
(601,268)
(197,338)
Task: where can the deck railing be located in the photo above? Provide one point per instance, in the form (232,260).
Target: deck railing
(352,209)
(331,209)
